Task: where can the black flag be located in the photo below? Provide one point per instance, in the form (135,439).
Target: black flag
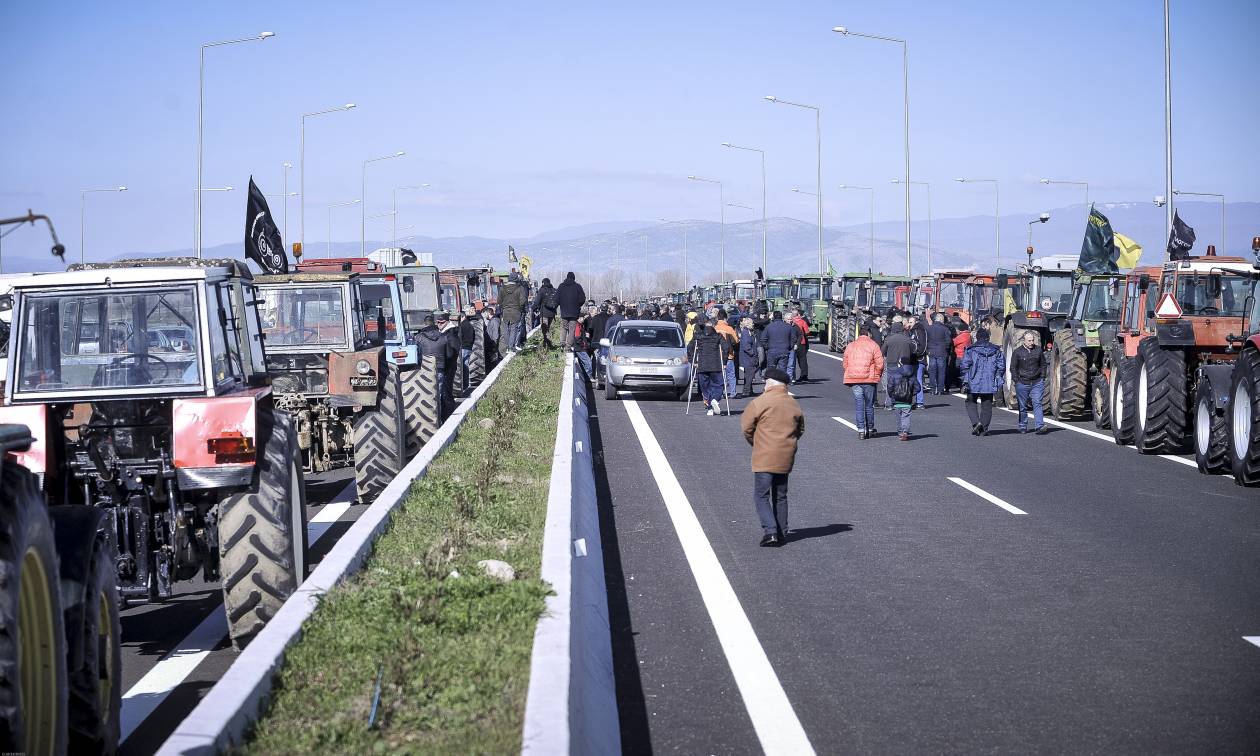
(263,244)
(512,254)
(1098,244)
(1181,240)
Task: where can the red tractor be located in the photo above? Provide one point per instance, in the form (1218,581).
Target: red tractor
(1242,402)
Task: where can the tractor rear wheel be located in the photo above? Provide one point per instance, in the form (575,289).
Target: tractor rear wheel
(1161,404)
(1100,397)
(262,535)
(378,439)
(34,698)
(420,398)
(1123,399)
(1244,420)
(1069,378)
(1211,443)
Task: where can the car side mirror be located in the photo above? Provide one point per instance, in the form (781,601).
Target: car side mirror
(605,343)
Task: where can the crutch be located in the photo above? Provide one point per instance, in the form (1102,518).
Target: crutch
(725,394)
(691,382)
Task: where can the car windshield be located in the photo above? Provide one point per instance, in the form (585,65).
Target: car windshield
(308,316)
(954,294)
(810,291)
(1101,303)
(379,295)
(1056,293)
(109,340)
(642,336)
(1213,294)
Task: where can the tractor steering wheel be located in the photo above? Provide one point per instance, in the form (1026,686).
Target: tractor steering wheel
(144,368)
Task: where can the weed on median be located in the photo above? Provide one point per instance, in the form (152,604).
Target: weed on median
(452,651)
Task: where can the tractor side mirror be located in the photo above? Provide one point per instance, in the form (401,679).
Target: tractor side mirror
(1002,280)
(1144,281)
(408,284)
(1214,287)
(6,302)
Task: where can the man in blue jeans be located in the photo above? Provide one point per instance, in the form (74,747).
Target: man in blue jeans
(1028,371)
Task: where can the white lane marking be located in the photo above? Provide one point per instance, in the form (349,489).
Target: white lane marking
(828,356)
(163,677)
(987,496)
(842,421)
(1253,639)
(771,712)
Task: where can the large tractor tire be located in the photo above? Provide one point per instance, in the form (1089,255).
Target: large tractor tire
(89,598)
(1123,399)
(1100,400)
(378,439)
(1069,378)
(1211,442)
(262,535)
(1244,420)
(477,355)
(1162,401)
(831,334)
(420,398)
(34,691)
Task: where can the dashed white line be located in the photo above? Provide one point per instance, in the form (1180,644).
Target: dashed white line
(828,356)
(163,677)
(987,496)
(1252,639)
(773,718)
(842,421)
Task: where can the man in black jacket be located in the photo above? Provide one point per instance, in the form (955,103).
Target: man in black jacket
(896,347)
(708,356)
(571,297)
(546,304)
(450,361)
(467,339)
(1028,371)
(596,325)
(776,339)
(940,341)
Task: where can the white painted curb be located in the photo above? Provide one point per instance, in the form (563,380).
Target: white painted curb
(571,706)
(221,719)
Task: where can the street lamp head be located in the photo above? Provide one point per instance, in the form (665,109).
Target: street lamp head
(400,153)
(1177,192)
(1043,181)
(772,98)
(693,178)
(122,188)
(288,165)
(1043,217)
(840,29)
(349,106)
(266,35)
(1160,200)
(727,144)
(961,180)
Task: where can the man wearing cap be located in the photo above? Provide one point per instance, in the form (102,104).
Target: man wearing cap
(450,361)
(773,424)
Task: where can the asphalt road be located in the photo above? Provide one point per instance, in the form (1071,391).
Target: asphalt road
(174,652)
(911,612)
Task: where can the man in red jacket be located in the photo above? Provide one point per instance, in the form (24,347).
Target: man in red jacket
(863,365)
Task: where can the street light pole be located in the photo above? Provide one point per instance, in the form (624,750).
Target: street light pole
(1039,219)
(818,191)
(997,217)
(905,84)
(328,244)
(1209,194)
(302,167)
(1085,184)
(1168,158)
(394,208)
(928,186)
(722,208)
(870,189)
(763,198)
(83,193)
(284,188)
(197,203)
(201,101)
(363,196)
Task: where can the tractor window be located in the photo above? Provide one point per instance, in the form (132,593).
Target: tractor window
(746,291)
(225,330)
(850,291)
(776,290)
(252,333)
(1055,294)
(1214,295)
(1101,304)
(810,291)
(109,339)
(1253,320)
(954,294)
(925,299)
(883,296)
(313,316)
(379,295)
(449,298)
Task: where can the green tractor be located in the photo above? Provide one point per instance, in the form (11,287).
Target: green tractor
(1036,297)
(1080,345)
(814,293)
(856,296)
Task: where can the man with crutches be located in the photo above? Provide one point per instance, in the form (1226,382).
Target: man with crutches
(709,351)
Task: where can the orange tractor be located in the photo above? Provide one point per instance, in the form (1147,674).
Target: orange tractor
(1175,355)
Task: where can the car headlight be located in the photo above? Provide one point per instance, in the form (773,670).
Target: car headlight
(618,359)
(363,367)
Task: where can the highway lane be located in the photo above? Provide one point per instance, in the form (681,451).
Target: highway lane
(174,652)
(911,612)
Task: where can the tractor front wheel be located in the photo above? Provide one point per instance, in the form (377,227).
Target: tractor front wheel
(1210,434)
(1100,397)
(1069,378)
(1161,399)
(1244,420)
(379,437)
(1123,400)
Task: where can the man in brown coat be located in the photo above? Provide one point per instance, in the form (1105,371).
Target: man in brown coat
(773,423)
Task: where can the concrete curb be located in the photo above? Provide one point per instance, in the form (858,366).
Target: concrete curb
(571,706)
(223,716)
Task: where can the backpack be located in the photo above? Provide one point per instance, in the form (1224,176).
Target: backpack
(550,298)
(902,389)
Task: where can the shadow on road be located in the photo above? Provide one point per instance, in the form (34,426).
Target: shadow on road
(801,534)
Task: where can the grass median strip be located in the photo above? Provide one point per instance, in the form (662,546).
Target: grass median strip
(451,645)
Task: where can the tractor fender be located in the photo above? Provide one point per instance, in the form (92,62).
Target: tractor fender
(216,438)
(1216,378)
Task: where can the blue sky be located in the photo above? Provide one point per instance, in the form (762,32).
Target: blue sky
(532,116)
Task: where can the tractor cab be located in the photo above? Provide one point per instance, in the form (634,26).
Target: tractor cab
(952,294)
(381,300)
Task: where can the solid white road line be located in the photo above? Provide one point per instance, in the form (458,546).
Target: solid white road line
(987,496)
(163,677)
(1253,639)
(772,715)
(825,354)
(842,421)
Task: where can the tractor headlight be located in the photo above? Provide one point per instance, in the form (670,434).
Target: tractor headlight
(363,367)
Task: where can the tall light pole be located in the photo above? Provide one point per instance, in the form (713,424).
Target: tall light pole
(284,197)
(1039,219)
(83,193)
(363,196)
(328,244)
(763,198)
(1178,192)
(197,204)
(905,84)
(394,206)
(1168,160)
(284,188)
(1085,184)
(997,217)
(870,189)
(818,190)
(686,277)
(722,207)
(302,166)
(927,185)
(201,102)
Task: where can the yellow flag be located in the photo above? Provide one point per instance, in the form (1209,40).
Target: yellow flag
(526,263)
(1127,252)
(1008,302)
